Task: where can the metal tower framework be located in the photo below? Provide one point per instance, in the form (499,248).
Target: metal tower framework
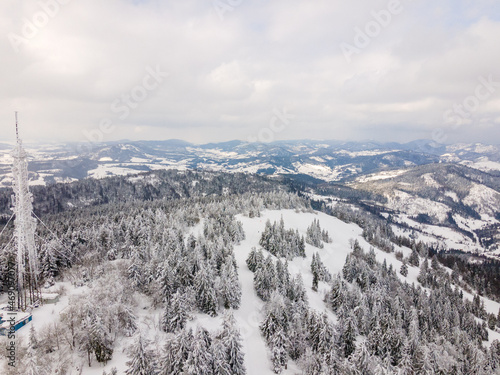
(25,226)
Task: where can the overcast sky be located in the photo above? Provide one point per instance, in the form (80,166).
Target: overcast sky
(203,70)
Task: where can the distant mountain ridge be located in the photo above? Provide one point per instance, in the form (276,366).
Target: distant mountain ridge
(330,160)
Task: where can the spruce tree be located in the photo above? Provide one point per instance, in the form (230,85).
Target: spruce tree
(136,271)
(279,348)
(102,344)
(362,361)
(414,259)
(404,269)
(220,363)
(206,299)
(325,335)
(282,276)
(229,286)
(265,279)
(406,363)
(297,338)
(142,361)
(177,352)
(176,314)
(255,259)
(199,360)
(232,342)
(348,336)
(315,271)
(167,282)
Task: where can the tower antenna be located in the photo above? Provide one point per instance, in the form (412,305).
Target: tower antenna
(17,129)
(24,229)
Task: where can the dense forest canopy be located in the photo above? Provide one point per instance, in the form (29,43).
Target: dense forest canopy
(143,245)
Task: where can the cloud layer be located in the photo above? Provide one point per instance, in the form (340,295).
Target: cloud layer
(219,70)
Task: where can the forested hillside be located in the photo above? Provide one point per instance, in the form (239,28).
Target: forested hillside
(246,280)
(149,186)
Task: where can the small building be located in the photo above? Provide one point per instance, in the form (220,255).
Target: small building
(20,319)
(49,298)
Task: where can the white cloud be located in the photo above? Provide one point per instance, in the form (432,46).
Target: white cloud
(226,77)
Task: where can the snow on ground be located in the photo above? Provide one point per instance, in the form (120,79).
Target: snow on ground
(215,153)
(333,256)
(483,199)
(124,169)
(435,233)
(404,202)
(317,158)
(65,179)
(107,170)
(248,315)
(430,181)
(317,170)
(452,195)
(139,160)
(44,315)
(364,153)
(483,164)
(381,175)
(237,168)
(48,313)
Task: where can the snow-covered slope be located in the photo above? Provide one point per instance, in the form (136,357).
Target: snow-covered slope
(249,316)
(446,203)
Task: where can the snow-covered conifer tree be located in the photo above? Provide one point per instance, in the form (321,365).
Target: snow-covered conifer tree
(255,259)
(176,314)
(404,269)
(200,360)
(142,361)
(102,344)
(347,337)
(315,236)
(206,298)
(229,288)
(231,340)
(279,347)
(413,259)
